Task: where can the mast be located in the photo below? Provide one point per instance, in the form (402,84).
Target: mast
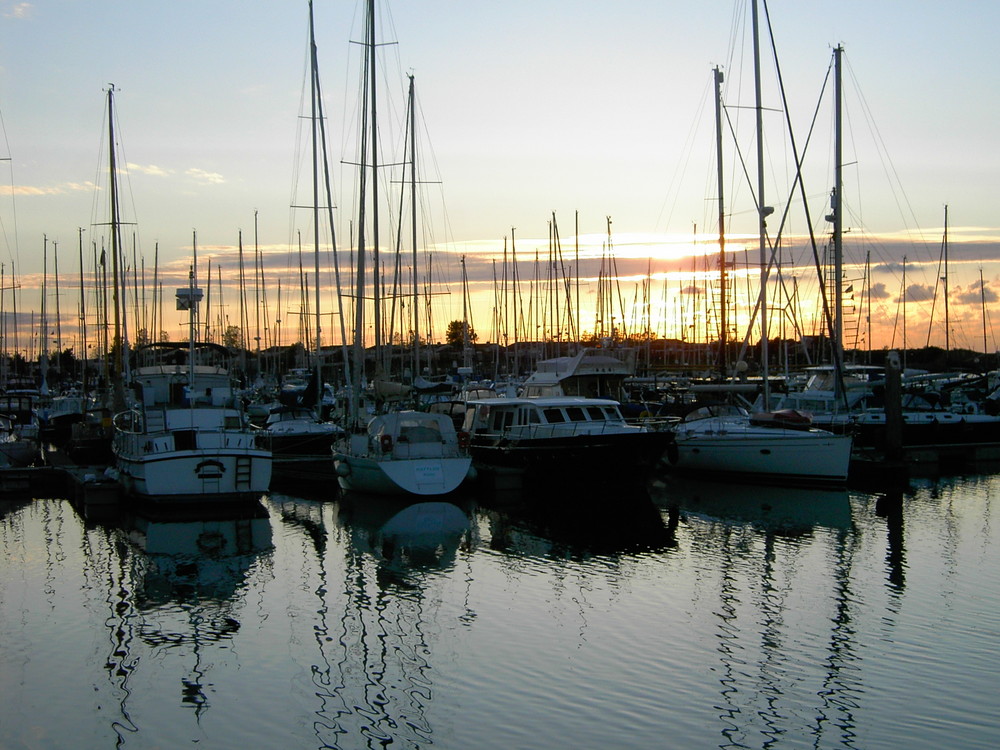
(372,90)
(723,304)
(315,177)
(838,219)
(116,345)
(904,313)
(465,314)
(982,302)
(368,123)
(83,318)
(43,333)
(413,229)
(244,322)
(763,211)
(947,321)
(55,279)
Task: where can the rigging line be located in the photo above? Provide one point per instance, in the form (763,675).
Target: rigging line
(13,205)
(883,152)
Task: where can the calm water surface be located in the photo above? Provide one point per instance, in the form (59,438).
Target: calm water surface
(691,616)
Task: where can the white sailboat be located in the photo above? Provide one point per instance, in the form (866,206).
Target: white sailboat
(408,452)
(779,447)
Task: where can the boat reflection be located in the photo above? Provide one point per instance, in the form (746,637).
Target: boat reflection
(176,591)
(765,542)
(376,565)
(601,521)
(403,535)
(783,509)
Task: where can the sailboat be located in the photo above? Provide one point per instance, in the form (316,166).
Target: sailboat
(406,452)
(299,439)
(726,441)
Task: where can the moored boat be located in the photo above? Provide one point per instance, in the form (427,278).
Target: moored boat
(778,447)
(300,443)
(403,453)
(561,439)
(185,436)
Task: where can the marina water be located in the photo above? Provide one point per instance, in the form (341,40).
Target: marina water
(691,615)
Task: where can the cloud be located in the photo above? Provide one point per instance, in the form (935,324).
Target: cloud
(976,294)
(919,292)
(206,178)
(150,169)
(30,190)
(18,10)
(878,291)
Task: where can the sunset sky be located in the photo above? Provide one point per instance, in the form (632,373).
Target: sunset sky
(527,110)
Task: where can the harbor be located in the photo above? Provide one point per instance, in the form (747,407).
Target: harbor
(658,432)
(696,613)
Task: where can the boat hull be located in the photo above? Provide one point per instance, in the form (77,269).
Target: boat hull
(791,457)
(411,476)
(203,474)
(617,457)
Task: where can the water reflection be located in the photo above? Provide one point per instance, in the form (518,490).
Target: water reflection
(890,507)
(404,536)
(175,584)
(785,557)
(577,524)
(783,510)
(378,600)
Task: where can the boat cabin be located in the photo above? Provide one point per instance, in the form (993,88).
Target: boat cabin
(556,416)
(589,374)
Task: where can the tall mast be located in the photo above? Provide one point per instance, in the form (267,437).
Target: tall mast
(947,321)
(116,345)
(315,177)
(762,213)
(55,279)
(413,228)
(83,318)
(368,124)
(43,332)
(982,301)
(723,304)
(372,90)
(904,313)
(838,217)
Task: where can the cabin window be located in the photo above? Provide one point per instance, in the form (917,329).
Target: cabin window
(575,414)
(502,420)
(527,415)
(596,415)
(185,440)
(553,416)
(420,432)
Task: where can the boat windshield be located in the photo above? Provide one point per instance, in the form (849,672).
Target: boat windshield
(419,432)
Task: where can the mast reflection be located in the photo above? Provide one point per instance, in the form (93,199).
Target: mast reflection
(766,540)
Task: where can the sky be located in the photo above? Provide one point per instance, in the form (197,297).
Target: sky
(595,115)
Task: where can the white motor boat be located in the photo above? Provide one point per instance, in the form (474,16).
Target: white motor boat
(185,436)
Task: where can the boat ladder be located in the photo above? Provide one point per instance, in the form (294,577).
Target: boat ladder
(244,472)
